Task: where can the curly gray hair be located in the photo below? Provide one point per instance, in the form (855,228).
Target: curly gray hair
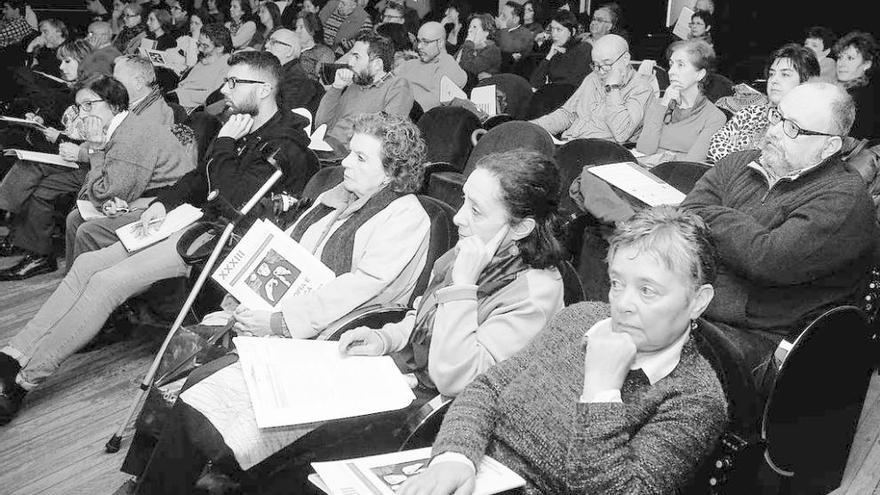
(403,149)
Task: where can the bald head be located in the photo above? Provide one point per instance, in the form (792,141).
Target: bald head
(99,34)
(610,45)
(432,41)
(820,106)
(285,45)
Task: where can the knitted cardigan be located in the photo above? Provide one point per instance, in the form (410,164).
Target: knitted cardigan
(525,413)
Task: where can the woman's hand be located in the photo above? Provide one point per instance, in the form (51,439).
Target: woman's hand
(473,256)
(673,92)
(51,134)
(607,359)
(68,151)
(361,341)
(252,322)
(442,478)
(93,128)
(554,49)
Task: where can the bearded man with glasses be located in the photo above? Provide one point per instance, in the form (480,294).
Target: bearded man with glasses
(215,45)
(795,229)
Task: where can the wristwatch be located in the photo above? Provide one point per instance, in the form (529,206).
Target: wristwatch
(609,87)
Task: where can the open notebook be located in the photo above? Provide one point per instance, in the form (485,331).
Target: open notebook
(384,474)
(133,238)
(35,156)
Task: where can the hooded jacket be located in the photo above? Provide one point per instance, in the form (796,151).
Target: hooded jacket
(238,168)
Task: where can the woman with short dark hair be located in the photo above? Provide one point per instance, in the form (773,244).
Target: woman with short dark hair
(790,66)
(568,60)
(127,41)
(857,56)
(159,26)
(612,399)
(479,55)
(314,54)
(821,41)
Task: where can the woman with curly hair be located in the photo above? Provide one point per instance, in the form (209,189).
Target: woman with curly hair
(372,231)
(856,53)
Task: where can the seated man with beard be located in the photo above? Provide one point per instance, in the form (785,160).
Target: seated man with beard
(368,86)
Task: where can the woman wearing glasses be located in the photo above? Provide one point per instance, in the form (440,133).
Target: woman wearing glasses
(207,75)
(133,30)
(791,66)
(701,27)
(680,125)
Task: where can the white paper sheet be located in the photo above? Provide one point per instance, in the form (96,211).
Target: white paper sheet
(34,156)
(22,122)
(483,98)
(177,219)
(87,210)
(640,184)
(383,474)
(449,90)
(292,381)
(682,26)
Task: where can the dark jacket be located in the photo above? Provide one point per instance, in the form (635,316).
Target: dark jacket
(486,59)
(787,253)
(569,68)
(297,89)
(239,168)
(867,124)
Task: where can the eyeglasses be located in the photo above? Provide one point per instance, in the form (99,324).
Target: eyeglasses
(391,16)
(423,41)
(233,81)
(129,16)
(701,24)
(606,67)
(205,46)
(86,106)
(273,41)
(599,19)
(791,129)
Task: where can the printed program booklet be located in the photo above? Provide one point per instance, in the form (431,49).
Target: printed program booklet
(385,474)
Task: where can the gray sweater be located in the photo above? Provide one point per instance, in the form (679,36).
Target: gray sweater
(525,413)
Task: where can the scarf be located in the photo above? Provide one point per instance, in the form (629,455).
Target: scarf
(500,272)
(680,114)
(148,100)
(338,249)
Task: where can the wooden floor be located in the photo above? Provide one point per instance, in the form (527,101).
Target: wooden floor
(56,444)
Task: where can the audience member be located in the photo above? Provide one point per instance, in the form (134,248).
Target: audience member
(14,27)
(128,40)
(821,40)
(367,86)
(795,230)
(138,76)
(179,18)
(707,6)
(393,14)
(790,66)
(514,39)
(507,243)
(188,45)
(457,12)
(610,103)
(377,250)
(103,52)
(401,40)
(680,125)
(424,73)
(701,27)
(568,60)
(479,55)
(270,18)
(421,8)
(158,29)
(604,21)
(314,54)
(215,13)
(215,45)
(532,18)
(122,166)
(629,406)
(296,90)
(856,53)
(343,22)
(53,33)
(101,280)
(98,10)
(242,24)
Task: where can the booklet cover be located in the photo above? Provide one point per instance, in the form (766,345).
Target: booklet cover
(385,474)
(639,183)
(267,267)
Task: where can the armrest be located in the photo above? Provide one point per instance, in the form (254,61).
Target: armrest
(373,316)
(423,424)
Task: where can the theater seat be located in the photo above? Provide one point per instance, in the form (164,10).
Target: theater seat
(447,134)
(323,180)
(681,175)
(574,155)
(510,135)
(514,92)
(447,187)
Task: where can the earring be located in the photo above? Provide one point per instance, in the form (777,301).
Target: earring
(693,325)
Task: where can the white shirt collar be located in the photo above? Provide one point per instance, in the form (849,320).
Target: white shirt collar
(114,123)
(655,365)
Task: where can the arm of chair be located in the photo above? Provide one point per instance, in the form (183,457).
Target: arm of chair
(373,316)
(423,424)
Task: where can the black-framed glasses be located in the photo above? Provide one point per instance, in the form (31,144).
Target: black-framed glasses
(423,41)
(273,41)
(233,81)
(130,16)
(606,67)
(599,19)
(791,129)
(86,106)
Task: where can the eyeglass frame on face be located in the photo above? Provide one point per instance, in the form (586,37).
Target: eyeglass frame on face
(274,41)
(606,67)
(86,106)
(425,42)
(774,116)
(599,19)
(201,44)
(389,16)
(131,16)
(231,82)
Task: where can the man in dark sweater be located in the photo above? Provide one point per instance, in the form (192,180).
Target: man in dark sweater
(297,90)
(237,165)
(795,229)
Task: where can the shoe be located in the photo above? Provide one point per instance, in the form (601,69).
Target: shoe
(10,403)
(30,266)
(8,249)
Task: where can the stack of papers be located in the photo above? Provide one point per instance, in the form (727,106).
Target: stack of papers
(35,156)
(294,382)
(482,97)
(22,122)
(638,183)
(384,474)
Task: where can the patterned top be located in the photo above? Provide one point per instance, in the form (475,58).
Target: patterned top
(742,132)
(12,32)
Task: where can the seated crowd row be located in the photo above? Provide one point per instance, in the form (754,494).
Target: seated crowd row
(619,399)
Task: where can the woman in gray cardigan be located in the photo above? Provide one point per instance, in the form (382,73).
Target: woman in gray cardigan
(630,406)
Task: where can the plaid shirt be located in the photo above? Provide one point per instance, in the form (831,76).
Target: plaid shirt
(11,32)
